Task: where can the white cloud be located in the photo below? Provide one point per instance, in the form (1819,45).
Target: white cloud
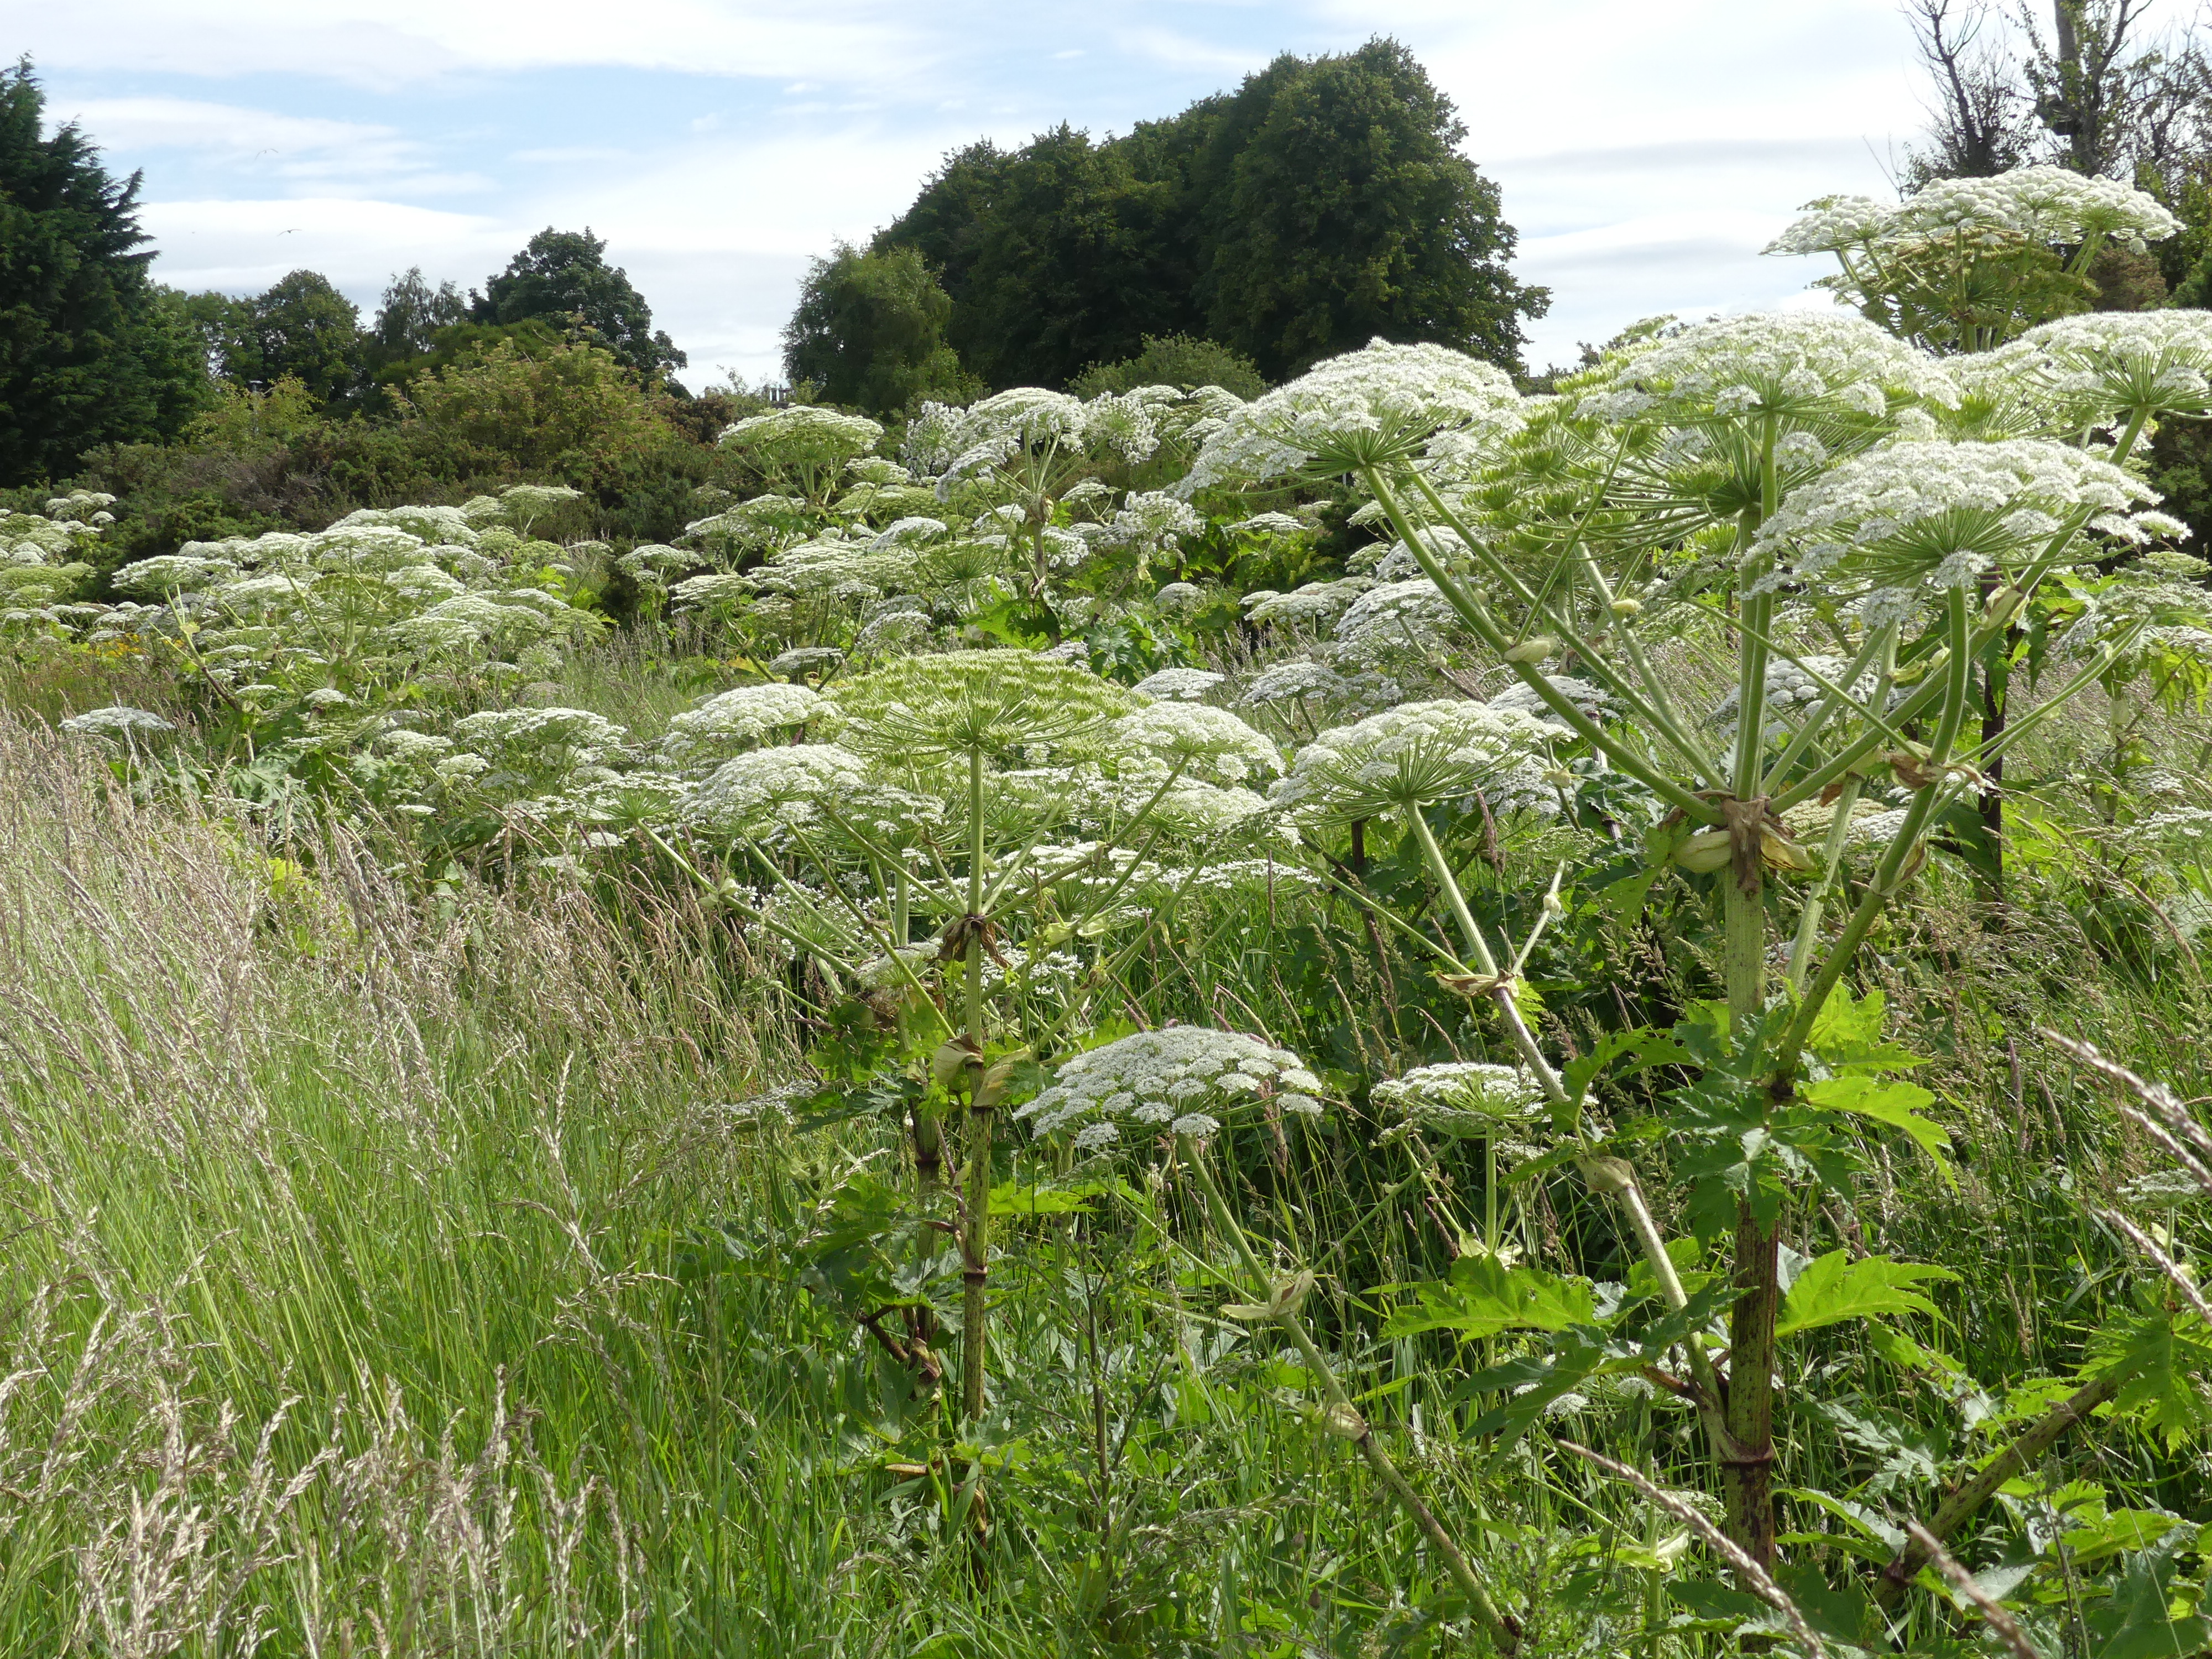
(241,246)
(389,43)
(1180,50)
(1645,153)
(310,153)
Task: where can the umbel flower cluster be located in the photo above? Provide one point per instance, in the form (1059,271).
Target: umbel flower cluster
(1024,671)
(1186,1079)
(2046,203)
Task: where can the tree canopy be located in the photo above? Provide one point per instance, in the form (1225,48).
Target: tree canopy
(1321,204)
(564,276)
(869,332)
(91,350)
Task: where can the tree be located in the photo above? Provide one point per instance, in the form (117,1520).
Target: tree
(1322,202)
(301,328)
(1057,256)
(869,332)
(564,276)
(91,350)
(1979,125)
(410,317)
(1175,360)
(306,331)
(1349,213)
(565,414)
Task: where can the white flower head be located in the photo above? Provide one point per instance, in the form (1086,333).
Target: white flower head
(1462,1098)
(1163,1080)
(1290,681)
(1179,685)
(116,720)
(1208,743)
(1373,407)
(740,718)
(1416,754)
(1940,514)
(770,789)
(1795,364)
(804,434)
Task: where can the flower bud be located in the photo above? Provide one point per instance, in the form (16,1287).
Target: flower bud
(1533,650)
(2001,606)
(1705,852)
(1625,608)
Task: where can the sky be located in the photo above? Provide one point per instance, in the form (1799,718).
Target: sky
(1646,150)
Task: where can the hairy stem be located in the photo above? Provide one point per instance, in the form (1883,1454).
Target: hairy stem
(2032,1442)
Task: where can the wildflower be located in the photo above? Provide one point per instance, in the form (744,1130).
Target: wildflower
(1149,522)
(1408,616)
(1179,598)
(1316,602)
(996,703)
(738,720)
(1156,1078)
(1189,684)
(1416,754)
(769,789)
(116,720)
(2048,204)
(802,436)
(1373,407)
(1469,1098)
(1211,743)
(1522,698)
(907,532)
(1804,365)
(2104,366)
(1289,681)
(1943,513)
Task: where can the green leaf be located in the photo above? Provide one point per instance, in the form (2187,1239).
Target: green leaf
(1483,1296)
(2137,1622)
(2166,1360)
(1907,1355)
(1847,1035)
(1835,1289)
(1627,896)
(1644,1047)
(1015,1197)
(1891,1102)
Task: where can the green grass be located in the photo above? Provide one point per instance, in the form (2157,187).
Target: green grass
(392,1276)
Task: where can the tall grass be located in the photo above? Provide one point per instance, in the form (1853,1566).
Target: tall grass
(386,1276)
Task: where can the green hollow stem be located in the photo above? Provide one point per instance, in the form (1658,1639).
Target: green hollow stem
(2038,1438)
(1887,874)
(1524,1040)
(1477,617)
(1630,1194)
(1344,1419)
(1832,873)
(1745,1449)
(1877,649)
(1632,695)
(1924,696)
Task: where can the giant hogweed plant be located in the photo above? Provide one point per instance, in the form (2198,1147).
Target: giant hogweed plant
(1028,820)
(1785,482)
(1966,264)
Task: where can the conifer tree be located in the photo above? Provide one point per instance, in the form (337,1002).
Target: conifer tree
(92,351)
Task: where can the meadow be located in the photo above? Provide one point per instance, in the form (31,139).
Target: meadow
(1402,1017)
